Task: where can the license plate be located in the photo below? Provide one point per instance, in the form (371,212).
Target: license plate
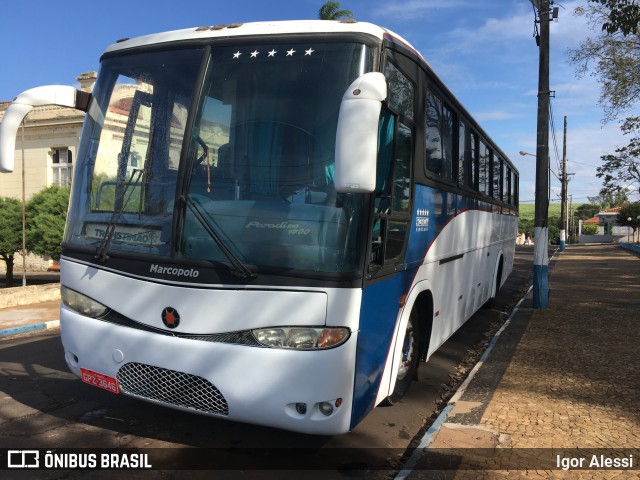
(99,380)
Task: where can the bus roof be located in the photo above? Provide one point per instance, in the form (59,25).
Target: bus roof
(258,29)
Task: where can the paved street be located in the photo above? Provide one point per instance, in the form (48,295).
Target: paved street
(557,388)
(563,381)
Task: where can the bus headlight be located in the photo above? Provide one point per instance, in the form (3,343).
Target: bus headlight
(302,338)
(81,303)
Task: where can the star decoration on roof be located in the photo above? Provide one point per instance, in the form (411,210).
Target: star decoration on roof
(254,54)
(237,54)
(309,52)
(273,52)
(290,52)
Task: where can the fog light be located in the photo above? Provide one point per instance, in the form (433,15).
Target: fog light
(301,408)
(325,408)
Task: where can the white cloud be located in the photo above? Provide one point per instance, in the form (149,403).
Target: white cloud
(495,115)
(403,10)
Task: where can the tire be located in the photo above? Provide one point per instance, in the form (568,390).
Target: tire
(491,303)
(407,372)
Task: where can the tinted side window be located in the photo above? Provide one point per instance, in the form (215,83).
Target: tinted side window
(401,91)
(475,161)
(484,173)
(439,136)
(463,168)
(497,177)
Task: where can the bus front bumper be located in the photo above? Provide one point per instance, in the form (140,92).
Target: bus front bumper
(304,391)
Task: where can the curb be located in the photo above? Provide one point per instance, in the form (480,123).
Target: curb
(630,247)
(426,439)
(10,332)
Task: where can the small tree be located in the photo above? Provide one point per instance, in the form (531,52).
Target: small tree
(331,11)
(623,168)
(629,216)
(10,233)
(46,215)
(590,229)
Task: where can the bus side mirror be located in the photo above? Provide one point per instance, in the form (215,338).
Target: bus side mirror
(23,104)
(357,134)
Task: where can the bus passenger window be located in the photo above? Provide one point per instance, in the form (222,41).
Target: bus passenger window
(473,178)
(506,184)
(484,173)
(402,170)
(462,156)
(497,177)
(439,137)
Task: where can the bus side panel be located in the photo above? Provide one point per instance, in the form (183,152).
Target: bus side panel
(378,316)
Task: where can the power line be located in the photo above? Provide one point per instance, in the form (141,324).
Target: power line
(582,163)
(552,123)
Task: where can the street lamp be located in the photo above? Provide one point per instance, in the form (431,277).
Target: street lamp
(24,218)
(629,228)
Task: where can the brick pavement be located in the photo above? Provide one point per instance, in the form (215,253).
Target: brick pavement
(560,381)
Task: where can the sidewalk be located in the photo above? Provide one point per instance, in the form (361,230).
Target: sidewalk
(558,386)
(29,318)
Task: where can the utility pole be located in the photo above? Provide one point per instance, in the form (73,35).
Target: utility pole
(564,179)
(541,227)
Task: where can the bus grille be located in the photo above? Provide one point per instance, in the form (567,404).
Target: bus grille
(172,388)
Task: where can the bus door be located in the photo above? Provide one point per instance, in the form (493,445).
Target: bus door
(394,184)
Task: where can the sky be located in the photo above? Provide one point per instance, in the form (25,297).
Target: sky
(483,50)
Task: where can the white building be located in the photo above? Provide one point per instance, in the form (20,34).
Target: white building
(51,137)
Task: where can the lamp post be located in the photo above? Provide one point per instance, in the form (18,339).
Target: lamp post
(24,218)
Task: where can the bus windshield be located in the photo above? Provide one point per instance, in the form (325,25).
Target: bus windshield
(254,184)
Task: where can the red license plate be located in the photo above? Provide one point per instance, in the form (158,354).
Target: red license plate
(99,380)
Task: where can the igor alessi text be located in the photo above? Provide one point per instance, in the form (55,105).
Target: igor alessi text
(594,461)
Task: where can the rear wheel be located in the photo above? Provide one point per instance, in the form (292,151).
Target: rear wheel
(407,371)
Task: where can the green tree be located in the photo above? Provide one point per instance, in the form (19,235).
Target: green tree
(586,211)
(10,233)
(332,11)
(623,169)
(525,226)
(46,215)
(612,53)
(623,16)
(610,199)
(554,235)
(629,216)
(590,229)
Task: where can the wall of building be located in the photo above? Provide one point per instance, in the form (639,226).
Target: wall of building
(45,129)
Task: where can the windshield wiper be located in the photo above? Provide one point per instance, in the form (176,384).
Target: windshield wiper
(239,268)
(101,254)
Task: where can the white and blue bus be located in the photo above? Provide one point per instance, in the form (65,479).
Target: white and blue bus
(273,223)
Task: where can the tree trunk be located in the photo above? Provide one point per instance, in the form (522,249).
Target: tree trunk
(9,277)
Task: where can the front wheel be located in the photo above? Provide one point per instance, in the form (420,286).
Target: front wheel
(408,369)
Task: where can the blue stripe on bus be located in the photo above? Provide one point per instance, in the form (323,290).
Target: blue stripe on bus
(433,210)
(380,305)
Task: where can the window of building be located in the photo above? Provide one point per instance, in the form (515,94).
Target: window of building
(61,165)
